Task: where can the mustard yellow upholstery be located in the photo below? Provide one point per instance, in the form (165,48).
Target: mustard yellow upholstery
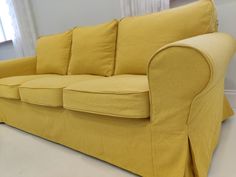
(140,37)
(53,53)
(123,142)
(227,110)
(47,91)
(186,81)
(164,124)
(125,95)
(93,49)
(16,67)
(9,86)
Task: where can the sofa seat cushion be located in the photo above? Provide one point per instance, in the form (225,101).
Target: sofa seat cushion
(9,86)
(48,91)
(121,96)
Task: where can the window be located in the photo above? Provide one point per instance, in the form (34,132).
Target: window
(6,31)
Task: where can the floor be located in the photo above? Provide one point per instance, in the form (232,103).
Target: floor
(24,155)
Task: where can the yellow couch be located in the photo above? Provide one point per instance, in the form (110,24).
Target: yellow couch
(144,93)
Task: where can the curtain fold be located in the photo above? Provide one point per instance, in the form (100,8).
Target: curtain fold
(24,34)
(141,7)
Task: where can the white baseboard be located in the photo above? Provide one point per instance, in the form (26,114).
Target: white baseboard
(231,95)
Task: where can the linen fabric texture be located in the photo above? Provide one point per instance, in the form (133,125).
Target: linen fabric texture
(140,37)
(159,115)
(93,49)
(53,53)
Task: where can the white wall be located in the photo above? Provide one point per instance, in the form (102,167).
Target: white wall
(52,16)
(227,20)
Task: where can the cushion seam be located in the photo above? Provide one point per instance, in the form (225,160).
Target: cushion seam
(9,85)
(39,88)
(109,93)
(102,113)
(40,104)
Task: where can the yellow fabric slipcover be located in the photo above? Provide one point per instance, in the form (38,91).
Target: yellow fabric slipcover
(187,106)
(140,37)
(125,95)
(186,100)
(17,67)
(53,53)
(186,81)
(125,143)
(93,49)
(227,110)
(9,86)
(47,91)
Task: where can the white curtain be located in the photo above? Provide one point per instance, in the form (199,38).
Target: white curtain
(24,33)
(141,7)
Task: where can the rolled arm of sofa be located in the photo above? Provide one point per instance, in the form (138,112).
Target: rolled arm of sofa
(181,71)
(16,67)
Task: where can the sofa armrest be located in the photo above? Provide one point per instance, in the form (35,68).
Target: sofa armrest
(20,66)
(182,71)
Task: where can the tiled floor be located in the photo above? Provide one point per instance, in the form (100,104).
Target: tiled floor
(24,155)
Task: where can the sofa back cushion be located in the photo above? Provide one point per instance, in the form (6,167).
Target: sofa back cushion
(93,49)
(53,53)
(140,37)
